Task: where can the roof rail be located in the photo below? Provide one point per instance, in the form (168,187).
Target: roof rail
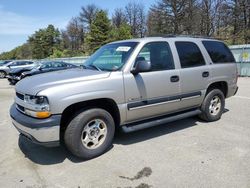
(173,35)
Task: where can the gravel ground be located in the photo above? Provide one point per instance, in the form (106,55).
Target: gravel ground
(186,153)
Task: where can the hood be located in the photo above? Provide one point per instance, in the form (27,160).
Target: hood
(34,84)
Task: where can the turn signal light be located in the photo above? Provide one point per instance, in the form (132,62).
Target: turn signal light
(43,114)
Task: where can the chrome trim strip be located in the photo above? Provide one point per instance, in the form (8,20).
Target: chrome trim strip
(156,104)
(186,98)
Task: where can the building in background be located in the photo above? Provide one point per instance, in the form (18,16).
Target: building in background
(242,56)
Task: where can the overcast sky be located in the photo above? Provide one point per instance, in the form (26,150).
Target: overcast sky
(20,18)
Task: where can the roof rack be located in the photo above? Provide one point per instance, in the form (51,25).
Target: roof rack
(190,36)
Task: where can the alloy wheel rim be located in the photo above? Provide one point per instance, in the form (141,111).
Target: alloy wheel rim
(94,134)
(215,105)
(2,75)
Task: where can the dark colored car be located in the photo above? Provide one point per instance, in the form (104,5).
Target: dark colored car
(14,74)
(40,68)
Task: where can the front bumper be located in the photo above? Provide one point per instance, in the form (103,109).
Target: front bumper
(44,132)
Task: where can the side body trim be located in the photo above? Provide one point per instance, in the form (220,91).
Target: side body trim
(162,100)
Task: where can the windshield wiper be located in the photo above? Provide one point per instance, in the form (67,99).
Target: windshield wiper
(91,66)
(94,66)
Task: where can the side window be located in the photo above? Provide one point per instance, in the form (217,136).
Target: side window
(20,63)
(189,54)
(218,52)
(29,62)
(159,54)
(13,64)
(56,65)
(46,65)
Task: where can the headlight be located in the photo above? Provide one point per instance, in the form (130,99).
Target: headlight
(35,99)
(40,104)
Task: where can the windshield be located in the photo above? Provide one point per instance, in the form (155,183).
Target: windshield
(111,57)
(4,62)
(37,65)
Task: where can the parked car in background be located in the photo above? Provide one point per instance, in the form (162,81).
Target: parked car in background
(4,62)
(13,65)
(16,75)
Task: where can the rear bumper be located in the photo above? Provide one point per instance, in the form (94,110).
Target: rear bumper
(44,132)
(232,90)
(236,90)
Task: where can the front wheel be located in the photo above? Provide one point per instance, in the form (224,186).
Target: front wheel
(213,106)
(2,74)
(90,133)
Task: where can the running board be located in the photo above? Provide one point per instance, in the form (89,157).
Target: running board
(155,122)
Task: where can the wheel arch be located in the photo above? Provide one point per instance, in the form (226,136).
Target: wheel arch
(103,103)
(221,85)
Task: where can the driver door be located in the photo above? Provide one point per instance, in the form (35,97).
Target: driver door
(153,93)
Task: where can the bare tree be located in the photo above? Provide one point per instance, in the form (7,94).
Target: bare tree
(136,17)
(87,15)
(75,34)
(141,20)
(119,17)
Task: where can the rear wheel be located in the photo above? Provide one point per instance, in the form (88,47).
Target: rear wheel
(213,106)
(90,133)
(2,74)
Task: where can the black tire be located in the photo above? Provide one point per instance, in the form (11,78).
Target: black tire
(206,113)
(12,82)
(73,133)
(3,74)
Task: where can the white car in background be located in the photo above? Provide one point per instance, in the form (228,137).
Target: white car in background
(5,68)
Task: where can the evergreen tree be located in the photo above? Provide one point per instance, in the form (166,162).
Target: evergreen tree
(99,31)
(122,32)
(44,41)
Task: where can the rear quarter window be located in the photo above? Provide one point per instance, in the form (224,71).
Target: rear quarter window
(218,52)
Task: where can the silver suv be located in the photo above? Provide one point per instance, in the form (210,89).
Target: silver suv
(129,85)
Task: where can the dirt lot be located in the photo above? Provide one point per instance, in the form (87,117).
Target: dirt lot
(186,153)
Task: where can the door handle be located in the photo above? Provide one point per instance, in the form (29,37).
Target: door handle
(174,78)
(205,74)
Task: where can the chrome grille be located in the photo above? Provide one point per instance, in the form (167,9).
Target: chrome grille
(20,108)
(20,96)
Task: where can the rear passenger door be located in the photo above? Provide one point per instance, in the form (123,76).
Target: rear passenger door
(194,74)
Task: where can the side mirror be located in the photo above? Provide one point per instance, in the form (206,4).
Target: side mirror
(141,66)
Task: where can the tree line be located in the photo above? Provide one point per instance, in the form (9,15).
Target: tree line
(227,20)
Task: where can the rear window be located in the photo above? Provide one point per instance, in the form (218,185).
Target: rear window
(218,52)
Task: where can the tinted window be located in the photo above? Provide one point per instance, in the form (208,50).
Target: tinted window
(29,62)
(20,63)
(189,54)
(46,65)
(13,64)
(58,65)
(159,54)
(218,52)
